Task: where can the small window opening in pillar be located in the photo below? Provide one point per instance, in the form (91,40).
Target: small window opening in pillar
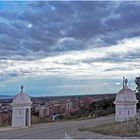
(20,112)
(119,112)
(128,112)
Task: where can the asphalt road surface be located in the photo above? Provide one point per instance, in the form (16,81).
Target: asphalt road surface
(58,130)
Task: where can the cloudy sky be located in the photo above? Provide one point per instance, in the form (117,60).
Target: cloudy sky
(68,48)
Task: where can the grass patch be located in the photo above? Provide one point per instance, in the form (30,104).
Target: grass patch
(115,129)
(83,129)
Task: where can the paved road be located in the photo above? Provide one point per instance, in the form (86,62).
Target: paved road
(56,130)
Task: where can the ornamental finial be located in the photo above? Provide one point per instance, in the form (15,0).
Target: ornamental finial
(123,81)
(126,82)
(22,88)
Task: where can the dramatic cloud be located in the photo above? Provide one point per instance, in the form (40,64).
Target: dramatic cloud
(77,40)
(49,27)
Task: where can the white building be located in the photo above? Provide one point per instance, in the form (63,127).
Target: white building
(125,103)
(21,110)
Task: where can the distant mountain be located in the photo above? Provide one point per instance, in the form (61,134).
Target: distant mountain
(6,97)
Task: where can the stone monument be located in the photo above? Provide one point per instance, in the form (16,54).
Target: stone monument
(125,103)
(21,110)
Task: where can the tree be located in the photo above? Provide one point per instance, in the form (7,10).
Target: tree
(137,81)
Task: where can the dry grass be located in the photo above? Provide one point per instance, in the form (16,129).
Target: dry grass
(35,120)
(115,129)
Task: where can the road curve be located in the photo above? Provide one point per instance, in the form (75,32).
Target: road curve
(57,130)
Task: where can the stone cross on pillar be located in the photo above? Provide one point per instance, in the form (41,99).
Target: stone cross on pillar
(125,82)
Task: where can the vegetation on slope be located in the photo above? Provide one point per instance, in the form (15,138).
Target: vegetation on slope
(96,109)
(123,129)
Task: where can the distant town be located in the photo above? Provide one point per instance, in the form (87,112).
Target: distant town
(52,108)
